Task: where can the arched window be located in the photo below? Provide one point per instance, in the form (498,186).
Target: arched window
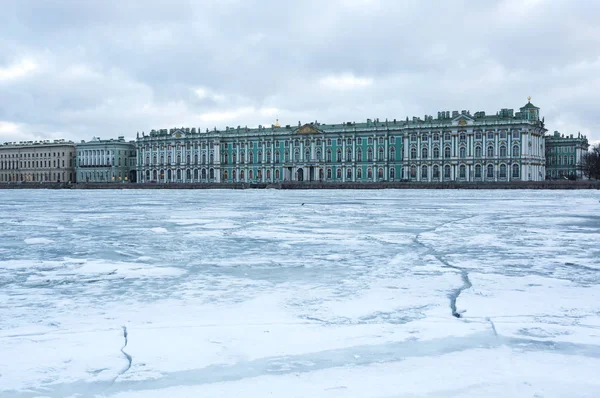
(225,158)
(392,173)
(196,159)
(250,157)
(502,151)
(436,152)
(477,171)
(277,157)
(259,156)
(338,173)
(502,171)
(392,154)
(380,155)
(436,172)
(318,154)
(277,174)
(447,152)
(242,157)
(477,151)
(424,153)
(212,173)
(462,152)
(329,157)
(359,173)
(250,174)
(348,155)
(490,171)
(286,156)
(424,137)
(268,156)
(413,153)
(348,174)
(462,171)
(515,170)
(178,159)
(233,175)
(515,151)
(188,174)
(424,173)
(447,171)
(490,151)
(204,174)
(195,174)
(370,173)
(259,174)
(307,155)
(369,155)
(338,156)
(203,158)
(242,175)
(169,175)
(380,173)
(268,175)
(329,171)
(359,155)
(296,155)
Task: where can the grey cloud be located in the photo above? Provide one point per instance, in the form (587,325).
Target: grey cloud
(141,62)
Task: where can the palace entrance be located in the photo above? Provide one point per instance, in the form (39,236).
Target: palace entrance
(300,174)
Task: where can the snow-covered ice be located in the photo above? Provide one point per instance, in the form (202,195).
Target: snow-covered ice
(259,293)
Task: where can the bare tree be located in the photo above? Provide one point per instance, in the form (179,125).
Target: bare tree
(590,163)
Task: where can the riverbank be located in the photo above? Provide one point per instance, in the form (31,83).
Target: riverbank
(320,185)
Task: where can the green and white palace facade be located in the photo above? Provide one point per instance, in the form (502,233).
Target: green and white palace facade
(506,146)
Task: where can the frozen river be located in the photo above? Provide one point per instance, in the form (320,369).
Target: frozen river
(299,293)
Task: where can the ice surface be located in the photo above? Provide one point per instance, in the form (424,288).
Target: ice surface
(299,293)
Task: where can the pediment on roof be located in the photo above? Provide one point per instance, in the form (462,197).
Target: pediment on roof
(308,129)
(462,120)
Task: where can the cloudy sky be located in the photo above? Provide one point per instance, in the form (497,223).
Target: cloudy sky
(77,69)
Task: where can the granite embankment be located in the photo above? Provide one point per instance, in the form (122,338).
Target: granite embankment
(320,185)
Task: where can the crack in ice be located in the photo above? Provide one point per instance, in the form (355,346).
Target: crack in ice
(463,272)
(127,356)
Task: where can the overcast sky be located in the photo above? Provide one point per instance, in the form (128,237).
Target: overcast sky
(77,69)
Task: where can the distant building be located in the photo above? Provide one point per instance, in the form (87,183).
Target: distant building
(110,160)
(563,154)
(37,161)
(506,146)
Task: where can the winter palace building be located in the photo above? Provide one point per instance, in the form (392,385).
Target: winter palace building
(461,146)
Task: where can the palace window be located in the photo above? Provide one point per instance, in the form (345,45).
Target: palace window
(477,151)
(349,173)
(436,171)
(251,157)
(515,170)
(478,135)
(318,142)
(380,173)
(329,157)
(413,153)
(392,173)
(515,151)
(413,172)
(462,152)
(462,137)
(490,151)
(413,138)
(307,142)
(242,175)
(392,154)
(188,174)
(242,157)
(381,140)
(196,174)
(204,174)
(447,171)
(436,152)
(259,157)
(349,155)
(359,155)
(477,171)
(424,137)
(297,143)
(447,152)
(225,158)
(392,138)
(369,155)
(338,173)
(490,171)
(329,141)
(462,171)
(212,160)
(268,175)
(369,173)
(490,135)
(370,141)
(349,141)
(339,142)
(380,156)
(318,154)
(329,174)
(359,141)
(286,143)
(424,173)
(277,157)
(277,174)
(424,153)
(503,135)
(502,151)
(502,171)
(447,137)
(268,156)
(338,155)
(436,137)
(250,174)
(286,156)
